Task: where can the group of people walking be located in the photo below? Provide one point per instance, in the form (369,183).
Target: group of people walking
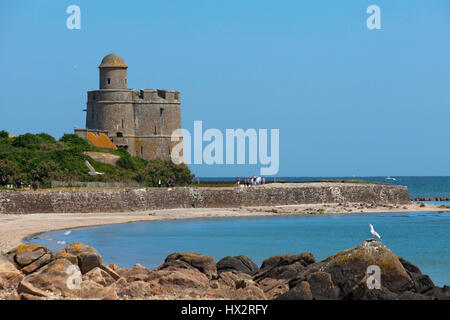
(169,183)
(254,180)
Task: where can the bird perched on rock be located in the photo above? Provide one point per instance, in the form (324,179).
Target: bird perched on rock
(373,232)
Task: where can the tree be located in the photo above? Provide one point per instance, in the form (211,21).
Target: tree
(164,170)
(45,172)
(74,140)
(4,134)
(8,172)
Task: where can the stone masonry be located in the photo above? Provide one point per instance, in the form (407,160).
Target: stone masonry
(123,200)
(140,121)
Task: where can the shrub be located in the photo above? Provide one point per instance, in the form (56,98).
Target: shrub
(8,172)
(164,170)
(40,157)
(4,134)
(75,141)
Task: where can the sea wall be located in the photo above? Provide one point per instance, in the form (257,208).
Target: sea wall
(121,200)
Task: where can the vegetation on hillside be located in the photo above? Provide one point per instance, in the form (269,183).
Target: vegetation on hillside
(41,157)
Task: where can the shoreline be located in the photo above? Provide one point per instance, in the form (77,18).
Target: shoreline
(15,228)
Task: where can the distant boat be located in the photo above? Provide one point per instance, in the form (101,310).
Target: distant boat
(389,178)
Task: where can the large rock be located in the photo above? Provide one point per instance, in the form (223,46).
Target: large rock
(62,254)
(180,279)
(27,288)
(249,292)
(318,286)
(204,264)
(322,287)
(273,287)
(301,291)
(348,268)
(362,292)
(233,285)
(137,273)
(110,271)
(237,263)
(410,295)
(133,290)
(98,276)
(35,265)
(59,276)
(95,291)
(88,258)
(25,254)
(422,283)
(229,279)
(438,293)
(304,259)
(9,275)
(285,266)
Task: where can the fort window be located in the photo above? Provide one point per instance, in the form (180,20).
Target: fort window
(155,129)
(109,80)
(177,96)
(122,123)
(119,134)
(161,94)
(160,112)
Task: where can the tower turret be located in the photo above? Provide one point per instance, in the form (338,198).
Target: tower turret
(113,72)
(141,121)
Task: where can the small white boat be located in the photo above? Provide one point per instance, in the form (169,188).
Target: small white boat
(389,178)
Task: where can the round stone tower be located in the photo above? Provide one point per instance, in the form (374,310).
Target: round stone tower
(141,121)
(113,72)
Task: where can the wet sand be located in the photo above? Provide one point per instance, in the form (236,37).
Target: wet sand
(14,228)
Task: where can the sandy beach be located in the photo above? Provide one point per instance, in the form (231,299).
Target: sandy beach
(15,228)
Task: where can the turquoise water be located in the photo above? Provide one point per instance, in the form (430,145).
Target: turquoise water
(421,238)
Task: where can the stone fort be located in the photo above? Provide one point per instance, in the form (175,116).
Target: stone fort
(141,121)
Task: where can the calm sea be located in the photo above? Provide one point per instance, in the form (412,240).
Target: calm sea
(422,238)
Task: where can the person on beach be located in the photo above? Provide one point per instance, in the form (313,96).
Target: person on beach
(238,181)
(159,183)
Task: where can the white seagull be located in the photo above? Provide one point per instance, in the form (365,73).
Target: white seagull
(92,171)
(373,232)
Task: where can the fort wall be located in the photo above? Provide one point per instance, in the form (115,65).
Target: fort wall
(140,121)
(125,200)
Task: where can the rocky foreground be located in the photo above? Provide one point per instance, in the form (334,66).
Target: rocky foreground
(32,272)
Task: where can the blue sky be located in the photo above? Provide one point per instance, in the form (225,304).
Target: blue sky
(347,100)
